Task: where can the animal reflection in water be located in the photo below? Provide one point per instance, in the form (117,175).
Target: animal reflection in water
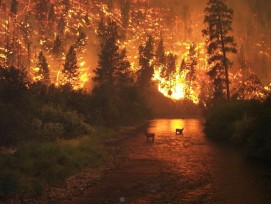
(149,136)
(179,131)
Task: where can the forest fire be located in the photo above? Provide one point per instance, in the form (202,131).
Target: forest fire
(75,23)
(80,80)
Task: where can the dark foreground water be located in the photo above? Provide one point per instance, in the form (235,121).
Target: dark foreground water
(184,168)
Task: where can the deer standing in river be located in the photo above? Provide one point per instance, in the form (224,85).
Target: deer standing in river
(179,130)
(149,136)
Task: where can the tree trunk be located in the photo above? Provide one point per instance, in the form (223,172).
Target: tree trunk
(224,59)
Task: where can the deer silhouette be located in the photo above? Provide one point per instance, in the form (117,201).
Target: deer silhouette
(149,136)
(179,130)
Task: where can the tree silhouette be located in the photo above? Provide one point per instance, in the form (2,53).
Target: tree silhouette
(146,71)
(42,8)
(125,14)
(123,72)
(169,70)
(70,71)
(81,40)
(191,64)
(51,15)
(61,26)
(220,43)
(108,56)
(43,71)
(13,7)
(57,47)
(160,54)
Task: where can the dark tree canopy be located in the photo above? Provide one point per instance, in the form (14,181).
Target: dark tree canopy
(52,15)
(42,8)
(81,40)
(109,54)
(13,7)
(43,69)
(190,66)
(169,70)
(57,47)
(61,26)
(146,70)
(220,43)
(70,71)
(160,54)
(125,14)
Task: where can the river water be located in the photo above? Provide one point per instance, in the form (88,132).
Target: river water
(207,172)
(184,168)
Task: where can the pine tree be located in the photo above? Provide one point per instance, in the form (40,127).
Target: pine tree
(61,26)
(252,88)
(57,47)
(71,69)
(13,7)
(160,54)
(43,71)
(146,70)
(113,88)
(114,67)
(81,40)
(108,56)
(51,15)
(67,5)
(42,8)
(123,72)
(169,70)
(101,32)
(220,43)
(125,14)
(243,64)
(191,64)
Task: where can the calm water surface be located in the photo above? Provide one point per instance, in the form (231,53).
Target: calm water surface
(180,169)
(202,171)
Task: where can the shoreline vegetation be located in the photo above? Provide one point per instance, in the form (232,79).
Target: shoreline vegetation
(61,170)
(244,124)
(50,133)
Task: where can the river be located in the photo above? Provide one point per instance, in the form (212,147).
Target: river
(184,168)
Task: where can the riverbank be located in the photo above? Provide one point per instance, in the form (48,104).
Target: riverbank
(108,157)
(245,124)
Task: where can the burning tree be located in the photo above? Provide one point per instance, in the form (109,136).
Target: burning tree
(125,14)
(42,70)
(70,71)
(160,55)
(42,8)
(123,72)
(168,71)
(57,47)
(190,66)
(145,72)
(13,7)
(81,40)
(250,88)
(218,17)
